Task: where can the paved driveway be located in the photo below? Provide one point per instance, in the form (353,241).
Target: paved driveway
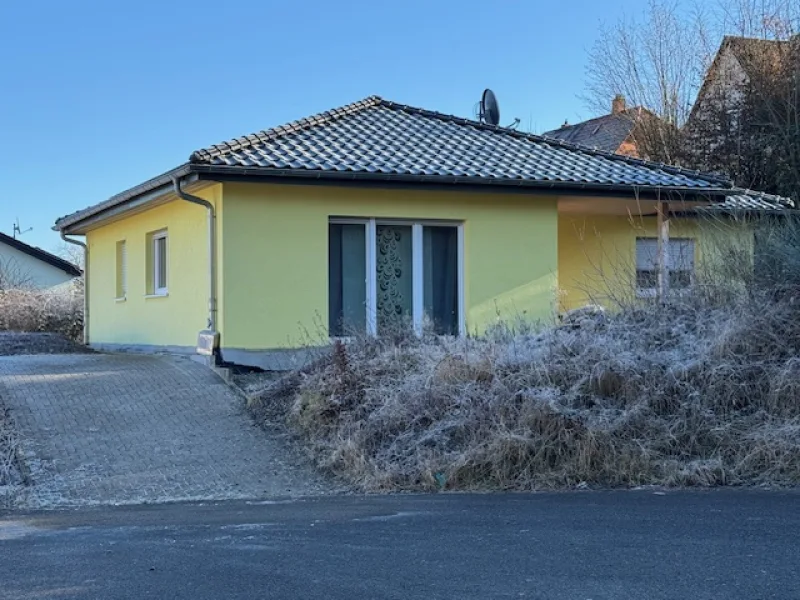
(121,429)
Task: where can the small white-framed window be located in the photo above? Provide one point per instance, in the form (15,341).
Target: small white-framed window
(159,255)
(382,272)
(121,270)
(680,253)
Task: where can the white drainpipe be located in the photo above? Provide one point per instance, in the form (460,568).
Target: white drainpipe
(85,283)
(209,339)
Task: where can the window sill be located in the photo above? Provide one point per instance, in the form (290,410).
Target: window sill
(675,292)
(159,295)
(121,299)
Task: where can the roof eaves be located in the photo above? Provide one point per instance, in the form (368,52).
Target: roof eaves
(319,175)
(122,197)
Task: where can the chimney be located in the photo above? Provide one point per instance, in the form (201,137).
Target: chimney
(618,104)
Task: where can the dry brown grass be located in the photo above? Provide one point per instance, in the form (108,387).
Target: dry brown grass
(57,311)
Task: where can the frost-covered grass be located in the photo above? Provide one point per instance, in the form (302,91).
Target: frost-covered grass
(701,391)
(9,472)
(688,394)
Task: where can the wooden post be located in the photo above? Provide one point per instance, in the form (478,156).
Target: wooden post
(662,220)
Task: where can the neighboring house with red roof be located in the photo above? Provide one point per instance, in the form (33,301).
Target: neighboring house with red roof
(355,218)
(615,131)
(29,267)
(611,133)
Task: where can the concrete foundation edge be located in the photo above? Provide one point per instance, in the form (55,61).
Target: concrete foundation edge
(273,359)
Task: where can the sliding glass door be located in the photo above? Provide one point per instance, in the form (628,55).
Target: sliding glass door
(385,274)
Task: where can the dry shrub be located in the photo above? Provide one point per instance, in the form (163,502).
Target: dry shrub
(56,311)
(701,391)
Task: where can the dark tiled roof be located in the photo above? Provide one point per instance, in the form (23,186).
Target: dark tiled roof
(375,136)
(607,133)
(375,139)
(745,200)
(42,255)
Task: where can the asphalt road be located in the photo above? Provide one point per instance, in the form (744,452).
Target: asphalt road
(590,545)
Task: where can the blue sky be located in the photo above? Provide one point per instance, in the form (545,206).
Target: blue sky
(99,96)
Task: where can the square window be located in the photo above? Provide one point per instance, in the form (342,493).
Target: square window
(679,259)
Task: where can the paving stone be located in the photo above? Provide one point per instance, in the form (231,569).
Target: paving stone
(126,429)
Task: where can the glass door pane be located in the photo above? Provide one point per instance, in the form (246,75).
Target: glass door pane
(394,277)
(440,278)
(161,259)
(347,285)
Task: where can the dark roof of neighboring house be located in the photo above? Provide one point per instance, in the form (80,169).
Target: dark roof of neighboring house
(42,255)
(606,133)
(382,141)
(745,50)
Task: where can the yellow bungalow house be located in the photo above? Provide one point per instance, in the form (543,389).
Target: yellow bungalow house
(354,217)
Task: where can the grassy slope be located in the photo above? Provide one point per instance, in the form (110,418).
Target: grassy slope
(688,394)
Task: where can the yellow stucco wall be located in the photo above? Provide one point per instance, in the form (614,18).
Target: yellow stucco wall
(596,254)
(173,320)
(276,255)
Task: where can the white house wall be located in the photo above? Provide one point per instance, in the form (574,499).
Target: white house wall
(26,271)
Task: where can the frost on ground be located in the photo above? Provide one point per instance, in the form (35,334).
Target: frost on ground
(10,475)
(15,343)
(58,311)
(694,393)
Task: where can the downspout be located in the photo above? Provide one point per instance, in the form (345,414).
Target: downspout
(209,339)
(85,283)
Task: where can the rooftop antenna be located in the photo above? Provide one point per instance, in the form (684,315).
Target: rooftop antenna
(17,231)
(488,110)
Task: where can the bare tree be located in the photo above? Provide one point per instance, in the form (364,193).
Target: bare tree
(760,19)
(71,253)
(748,127)
(657,62)
(745,122)
(13,276)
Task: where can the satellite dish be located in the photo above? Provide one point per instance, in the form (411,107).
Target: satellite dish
(489,108)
